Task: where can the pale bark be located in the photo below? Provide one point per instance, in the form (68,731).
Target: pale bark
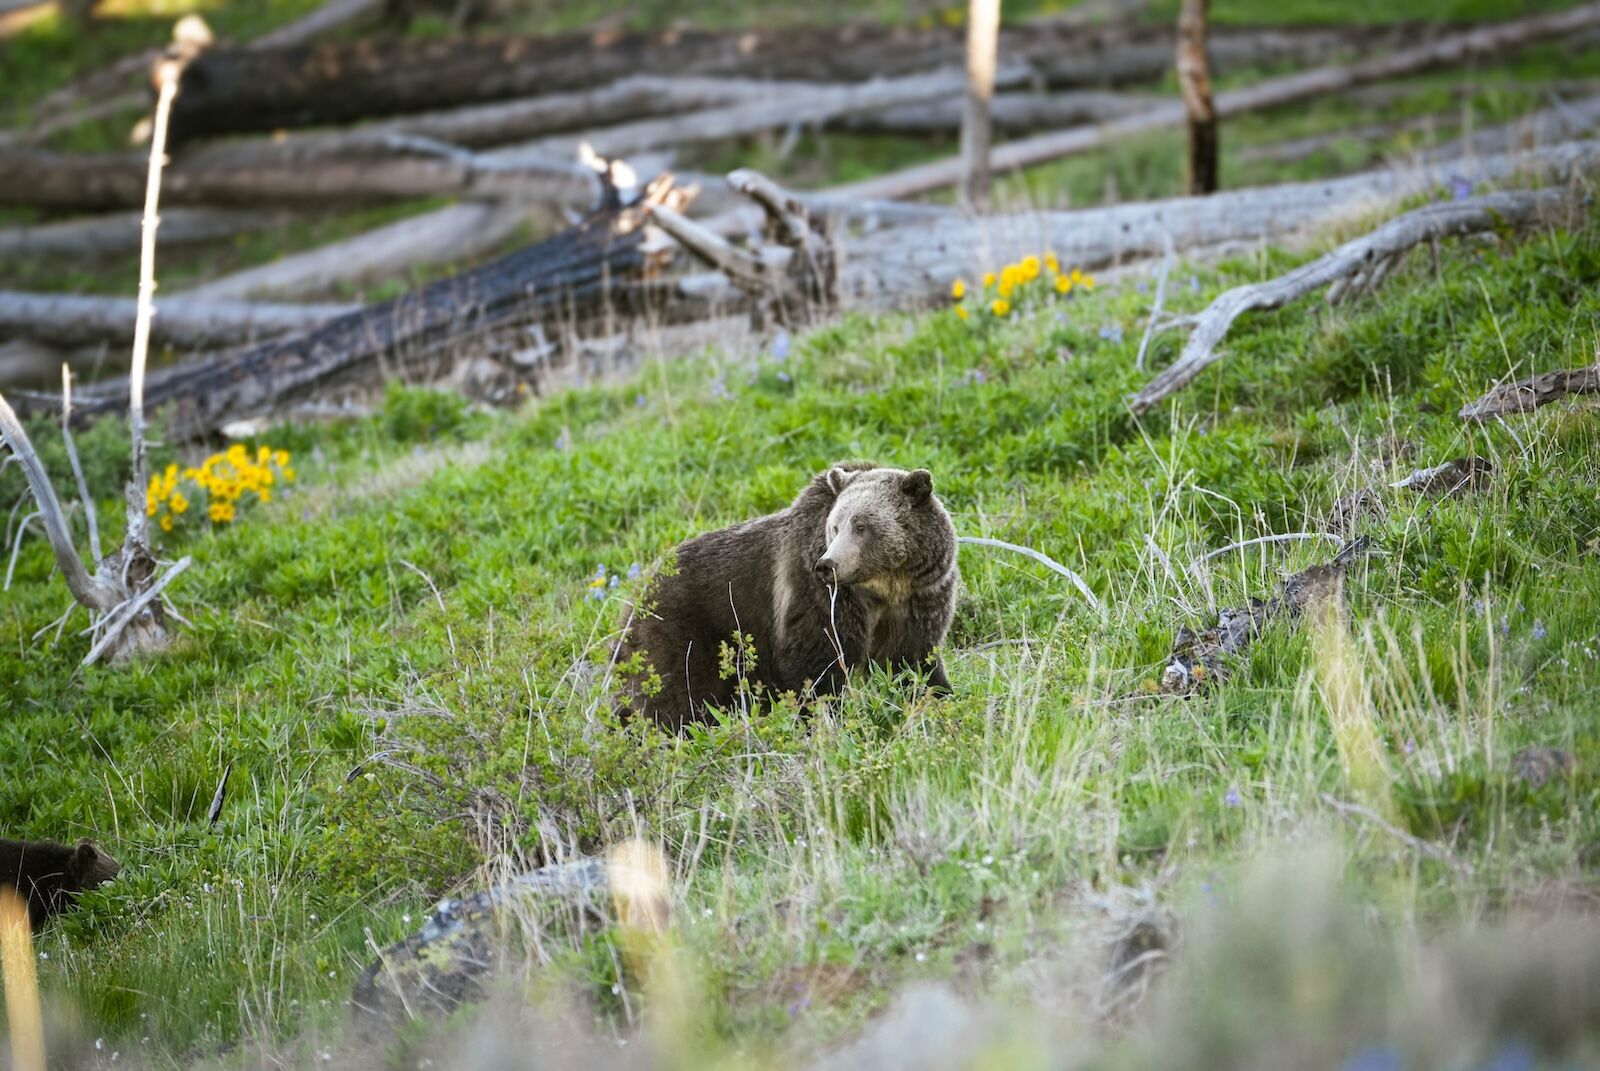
(983,33)
(111,235)
(1194,79)
(1365,257)
(460,232)
(1526,395)
(183,323)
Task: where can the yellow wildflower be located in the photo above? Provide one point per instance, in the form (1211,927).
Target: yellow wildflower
(1088,282)
(1052,263)
(958,290)
(1063,285)
(961,311)
(1029,269)
(166,522)
(179,503)
(280,458)
(988,279)
(1077,276)
(1001,306)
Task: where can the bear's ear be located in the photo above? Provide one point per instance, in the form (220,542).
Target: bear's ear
(917,485)
(839,478)
(85,855)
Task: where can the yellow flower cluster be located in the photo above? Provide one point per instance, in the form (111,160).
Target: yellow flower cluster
(226,478)
(1016,282)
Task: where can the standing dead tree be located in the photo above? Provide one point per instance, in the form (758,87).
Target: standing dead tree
(124,593)
(983,34)
(1194,78)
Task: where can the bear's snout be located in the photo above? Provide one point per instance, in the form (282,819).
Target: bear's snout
(827,567)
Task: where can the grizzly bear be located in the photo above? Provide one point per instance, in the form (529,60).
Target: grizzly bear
(860,569)
(49,876)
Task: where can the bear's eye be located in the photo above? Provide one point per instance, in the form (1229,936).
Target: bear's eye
(860,527)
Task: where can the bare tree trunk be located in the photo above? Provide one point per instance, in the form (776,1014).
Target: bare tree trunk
(983,34)
(1454,49)
(186,323)
(1194,78)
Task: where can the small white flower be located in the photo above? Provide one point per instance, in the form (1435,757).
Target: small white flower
(44,955)
(99,1043)
(988,860)
(922,957)
(616,990)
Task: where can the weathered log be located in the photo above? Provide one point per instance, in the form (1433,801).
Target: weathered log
(237,91)
(99,236)
(185,323)
(787,105)
(259,174)
(1363,260)
(456,232)
(1012,113)
(1533,392)
(1454,49)
(908,266)
(1201,659)
(577,273)
(121,87)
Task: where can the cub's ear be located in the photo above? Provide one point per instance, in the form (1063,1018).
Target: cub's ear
(85,855)
(917,485)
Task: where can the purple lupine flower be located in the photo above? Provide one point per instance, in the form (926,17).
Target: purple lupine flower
(783,377)
(633,571)
(1539,631)
(1111,333)
(1460,187)
(1232,798)
(780,345)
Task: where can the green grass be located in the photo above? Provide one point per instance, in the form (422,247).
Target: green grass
(874,838)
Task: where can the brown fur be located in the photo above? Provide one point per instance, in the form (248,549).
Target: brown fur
(49,876)
(880,533)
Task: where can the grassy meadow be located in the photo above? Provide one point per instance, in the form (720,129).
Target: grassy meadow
(402,660)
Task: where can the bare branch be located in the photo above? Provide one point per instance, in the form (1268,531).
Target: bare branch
(125,615)
(1287,537)
(1043,559)
(91,591)
(1351,259)
(1526,395)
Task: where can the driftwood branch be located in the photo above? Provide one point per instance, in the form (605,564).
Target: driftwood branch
(1526,395)
(983,34)
(1350,261)
(91,516)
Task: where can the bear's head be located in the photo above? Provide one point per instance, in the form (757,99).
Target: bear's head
(886,530)
(90,866)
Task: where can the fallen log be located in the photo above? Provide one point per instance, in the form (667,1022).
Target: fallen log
(240,91)
(1533,392)
(579,273)
(787,105)
(183,323)
(260,174)
(454,233)
(908,266)
(1355,265)
(1200,659)
(100,236)
(1011,113)
(1454,49)
(122,87)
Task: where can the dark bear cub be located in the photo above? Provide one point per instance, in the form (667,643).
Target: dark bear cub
(860,569)
(49,876)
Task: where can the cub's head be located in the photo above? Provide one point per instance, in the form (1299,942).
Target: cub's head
(90,867)
(886,529)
